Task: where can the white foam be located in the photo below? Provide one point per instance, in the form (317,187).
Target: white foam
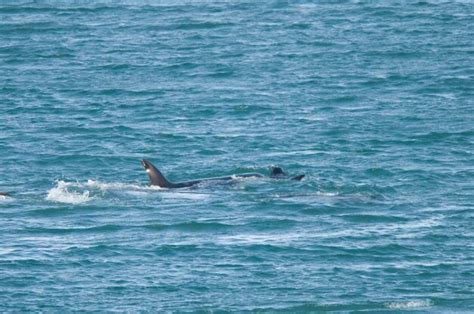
(185,195)
(60,193)
(136,193)
(115,186)
(328,194)
(236,177)
(310,197)
(122,186)
(103,186)
(409,304)
(77,192)
(253,239)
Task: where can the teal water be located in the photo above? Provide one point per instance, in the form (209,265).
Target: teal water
(373,101)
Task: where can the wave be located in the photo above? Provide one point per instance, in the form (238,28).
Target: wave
(409,304)
(93,229)
(190,226)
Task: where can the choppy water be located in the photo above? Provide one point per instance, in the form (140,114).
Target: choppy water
(374,101)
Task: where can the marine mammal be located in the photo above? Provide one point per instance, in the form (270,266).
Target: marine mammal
(4,194)
(158,179)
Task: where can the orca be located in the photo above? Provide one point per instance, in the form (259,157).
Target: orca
(4,194)
(158,179)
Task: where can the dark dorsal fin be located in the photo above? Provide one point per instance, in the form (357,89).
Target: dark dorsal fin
(277,171)
(156,177)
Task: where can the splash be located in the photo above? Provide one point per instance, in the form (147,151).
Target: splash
(78,192)
(61,193)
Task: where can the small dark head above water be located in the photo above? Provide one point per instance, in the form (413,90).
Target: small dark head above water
(158,179)
(4,194)
(278,173)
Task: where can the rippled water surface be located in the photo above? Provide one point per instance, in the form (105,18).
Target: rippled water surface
(373,101)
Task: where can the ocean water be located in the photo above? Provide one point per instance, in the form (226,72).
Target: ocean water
(373,101)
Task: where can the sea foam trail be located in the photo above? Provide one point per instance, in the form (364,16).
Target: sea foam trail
(78,193)
(117,186)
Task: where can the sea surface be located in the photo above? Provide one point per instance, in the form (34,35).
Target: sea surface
(372,100)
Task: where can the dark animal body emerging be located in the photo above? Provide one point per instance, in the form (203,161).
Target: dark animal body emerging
(158,179)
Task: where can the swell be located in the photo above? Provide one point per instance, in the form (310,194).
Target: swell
(74,230)
(193,226)
(348,307)
(214,227)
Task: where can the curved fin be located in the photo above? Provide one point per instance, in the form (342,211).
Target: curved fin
(156,177)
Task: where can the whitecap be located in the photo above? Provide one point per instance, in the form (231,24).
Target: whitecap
(409,304)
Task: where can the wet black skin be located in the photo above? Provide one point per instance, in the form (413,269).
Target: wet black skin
(158,179)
